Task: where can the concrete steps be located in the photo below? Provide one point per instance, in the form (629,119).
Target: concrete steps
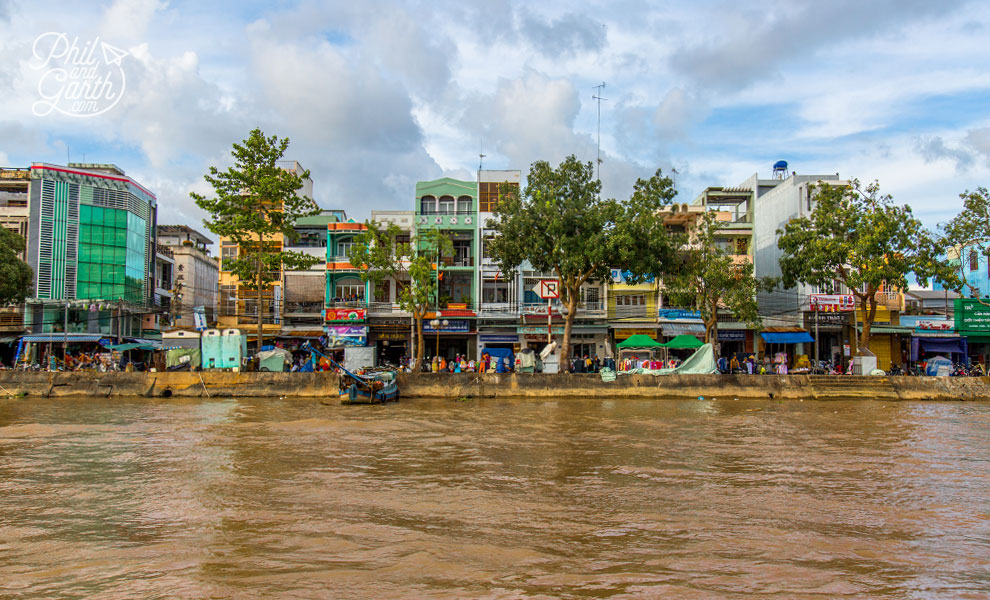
(836,387)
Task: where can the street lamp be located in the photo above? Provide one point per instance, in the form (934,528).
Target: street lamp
(436,324)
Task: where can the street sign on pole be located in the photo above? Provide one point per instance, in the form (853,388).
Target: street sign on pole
(547,289)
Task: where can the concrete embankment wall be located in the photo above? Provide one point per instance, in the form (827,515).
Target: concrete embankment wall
(491,385)
(180,384)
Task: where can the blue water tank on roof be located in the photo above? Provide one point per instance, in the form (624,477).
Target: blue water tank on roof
(780,164)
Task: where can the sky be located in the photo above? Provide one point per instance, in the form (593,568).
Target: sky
(376,95)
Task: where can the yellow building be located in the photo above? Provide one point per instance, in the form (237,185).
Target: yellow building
(239,303)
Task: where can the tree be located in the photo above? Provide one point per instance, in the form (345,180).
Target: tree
(860,238)
(255,203)
(709,279)
(413,266)
(560,224)
(15,275)
(968,234)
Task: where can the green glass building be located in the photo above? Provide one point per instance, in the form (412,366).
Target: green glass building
(91,237)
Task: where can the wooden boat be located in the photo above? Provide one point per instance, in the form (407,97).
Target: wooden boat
(376,388)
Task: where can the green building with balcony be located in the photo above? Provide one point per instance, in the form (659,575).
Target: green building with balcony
(451,205)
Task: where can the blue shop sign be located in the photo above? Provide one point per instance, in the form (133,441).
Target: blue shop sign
(453,326)
(498,339)
(674,314)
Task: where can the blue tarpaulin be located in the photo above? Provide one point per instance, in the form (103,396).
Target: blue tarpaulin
(497,353)
(786,337)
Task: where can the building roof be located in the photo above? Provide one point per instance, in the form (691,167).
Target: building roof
(177,229)
(446,186)
(931,294)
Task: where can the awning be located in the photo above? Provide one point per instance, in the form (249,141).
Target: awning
(131,346)
(952,345)
(958,345)
(155,344)
(59,337)
(888,329)
(786,337)
(676,329)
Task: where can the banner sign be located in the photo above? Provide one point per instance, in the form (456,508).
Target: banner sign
(557,330)
(732,335)
(347,335)
(832,302)
(674,314)
(453,326)
(199,318)
(498,339)
(971,316)
(344,315)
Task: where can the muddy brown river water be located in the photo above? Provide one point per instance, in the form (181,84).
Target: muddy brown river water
(494,499)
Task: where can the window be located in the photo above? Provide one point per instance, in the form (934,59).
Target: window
(464,204)
(344,248)
(486,246)
(228,300)
(489,193)
(589,295)
(495,292)
(349,289)
(428,205)
(974,260)
(446,205)
(382,291)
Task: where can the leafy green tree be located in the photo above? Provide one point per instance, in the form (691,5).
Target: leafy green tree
(256,204)
(561,225)
(968,233)
(15,275)
(708,279)
(860,238)
(413,266)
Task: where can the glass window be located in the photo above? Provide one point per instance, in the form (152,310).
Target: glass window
(446,205)
(495,292)
(349,289)
(464,204)
(428,205)
(974,260)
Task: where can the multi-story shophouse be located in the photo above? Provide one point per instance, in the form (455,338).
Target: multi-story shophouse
(451,205)
(238,303)
(789,319)
(195,277)
(390,327)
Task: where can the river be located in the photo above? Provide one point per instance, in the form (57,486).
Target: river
(493,499)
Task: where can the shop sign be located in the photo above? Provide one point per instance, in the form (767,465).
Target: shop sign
(621,334)
(391,335)
(498,339)
(732,335)
(823,318)
(557,330)
(832,303)
(344,315)
(453,326)
(347,335)
(971,316)
(674,314)
(934,325)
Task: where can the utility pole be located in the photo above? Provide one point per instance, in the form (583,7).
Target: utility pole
(597,96)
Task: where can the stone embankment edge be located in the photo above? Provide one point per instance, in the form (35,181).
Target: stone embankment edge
(215,384)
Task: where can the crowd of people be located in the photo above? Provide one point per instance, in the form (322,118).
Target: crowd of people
(462,364)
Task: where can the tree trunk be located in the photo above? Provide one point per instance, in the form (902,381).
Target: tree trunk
(419,342)
(565,345)
(261,335)
(864,339)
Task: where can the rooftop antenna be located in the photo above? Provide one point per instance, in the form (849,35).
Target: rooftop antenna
(597,96)
(481,154)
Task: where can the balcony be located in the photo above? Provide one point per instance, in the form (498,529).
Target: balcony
(12,319)
(455,220)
